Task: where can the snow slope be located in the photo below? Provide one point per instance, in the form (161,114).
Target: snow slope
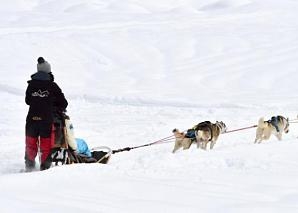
(132,70)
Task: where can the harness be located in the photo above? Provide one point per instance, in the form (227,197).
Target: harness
(274,121)
(191,133)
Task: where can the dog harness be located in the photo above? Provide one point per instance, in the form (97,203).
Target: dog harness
(274,122)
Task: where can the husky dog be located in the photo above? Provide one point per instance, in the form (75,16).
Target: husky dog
(181,140)
(276,125)
(208,132)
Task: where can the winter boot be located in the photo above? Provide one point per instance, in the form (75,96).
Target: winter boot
(29,164)
(46,164)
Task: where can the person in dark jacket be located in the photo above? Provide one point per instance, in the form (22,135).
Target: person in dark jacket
(44,97)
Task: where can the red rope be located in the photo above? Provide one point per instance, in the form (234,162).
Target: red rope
(168,139)
(241,129)
(163,139)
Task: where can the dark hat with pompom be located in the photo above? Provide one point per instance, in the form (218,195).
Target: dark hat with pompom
(43,65)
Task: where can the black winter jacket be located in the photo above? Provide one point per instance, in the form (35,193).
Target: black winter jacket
(44,97)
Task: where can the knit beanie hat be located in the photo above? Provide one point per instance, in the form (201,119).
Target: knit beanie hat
(43,65)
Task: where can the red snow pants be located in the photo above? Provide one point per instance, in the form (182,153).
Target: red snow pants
(42,135)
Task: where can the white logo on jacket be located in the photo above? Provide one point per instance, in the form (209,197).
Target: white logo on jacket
(41,94)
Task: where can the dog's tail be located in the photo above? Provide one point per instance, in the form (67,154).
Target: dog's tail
(261,123)
(177,133)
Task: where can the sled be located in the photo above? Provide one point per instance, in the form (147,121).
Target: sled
(62,156)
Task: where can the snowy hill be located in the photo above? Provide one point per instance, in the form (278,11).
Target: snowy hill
(134,70)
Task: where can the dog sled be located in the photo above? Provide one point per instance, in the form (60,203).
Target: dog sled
(61,156)
(68,149)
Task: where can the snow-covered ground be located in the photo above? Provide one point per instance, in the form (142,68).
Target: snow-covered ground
(132,70)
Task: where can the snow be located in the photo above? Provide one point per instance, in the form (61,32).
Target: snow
(133,70)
